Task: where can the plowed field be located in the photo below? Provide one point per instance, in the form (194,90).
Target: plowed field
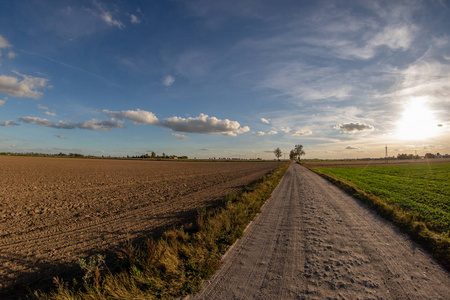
(53,210)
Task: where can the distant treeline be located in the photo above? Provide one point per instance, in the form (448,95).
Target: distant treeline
(427,155)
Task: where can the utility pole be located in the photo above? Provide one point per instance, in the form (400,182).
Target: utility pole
(386,154)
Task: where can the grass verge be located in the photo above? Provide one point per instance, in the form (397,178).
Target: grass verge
(175,264)
(437,244)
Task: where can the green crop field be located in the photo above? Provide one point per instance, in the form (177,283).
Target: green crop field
(423,190)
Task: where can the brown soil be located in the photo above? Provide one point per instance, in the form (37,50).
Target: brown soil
(53,210)
(371,162)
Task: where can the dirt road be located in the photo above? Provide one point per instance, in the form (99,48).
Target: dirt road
(312,241)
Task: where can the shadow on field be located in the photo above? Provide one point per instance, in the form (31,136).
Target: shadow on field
(42,278)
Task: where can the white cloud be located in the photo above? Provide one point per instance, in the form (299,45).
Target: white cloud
(94,124)
(134,19)
(107,16)
(264,120)
(286,129)
(50,114)
(261,133)
(302,133)
(104,125)
(9,123)
(395,37)
(354,127)
(307,82)
(204,124)
(179,136)
(137,116)
(42,107)
(168,80)
(2,102)
(27,87)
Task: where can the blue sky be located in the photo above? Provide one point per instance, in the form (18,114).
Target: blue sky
(225,78)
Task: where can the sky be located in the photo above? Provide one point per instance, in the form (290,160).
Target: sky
(225,78)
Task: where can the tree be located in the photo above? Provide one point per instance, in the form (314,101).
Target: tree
(298,149)
(277,153)
(292,155)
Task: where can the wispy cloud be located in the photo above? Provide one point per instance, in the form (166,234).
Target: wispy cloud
(168,80)
(302,133)
(93,124)
(261,133)
(50,114)
(107,16)
(264,120)
(179,136)
(134,19)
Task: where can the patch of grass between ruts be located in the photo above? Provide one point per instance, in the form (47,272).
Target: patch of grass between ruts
(175,264)
(437,244)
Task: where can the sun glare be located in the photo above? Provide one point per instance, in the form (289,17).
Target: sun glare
(418,121)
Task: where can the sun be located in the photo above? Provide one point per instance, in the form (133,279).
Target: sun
(418,121)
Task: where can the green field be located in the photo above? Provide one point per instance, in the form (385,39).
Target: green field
(423,190)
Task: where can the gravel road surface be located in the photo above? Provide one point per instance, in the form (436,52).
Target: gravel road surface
(312,241)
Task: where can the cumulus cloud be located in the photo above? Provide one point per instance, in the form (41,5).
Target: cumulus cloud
(302,133)
(204,124)
(354,127)
(286,129)
(179,136)
(50,114)
(264,120)
(168,80)
(94,124)
(137,116)
(8,123)
(26,88)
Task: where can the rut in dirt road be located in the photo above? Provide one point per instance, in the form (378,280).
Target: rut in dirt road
(312,241)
